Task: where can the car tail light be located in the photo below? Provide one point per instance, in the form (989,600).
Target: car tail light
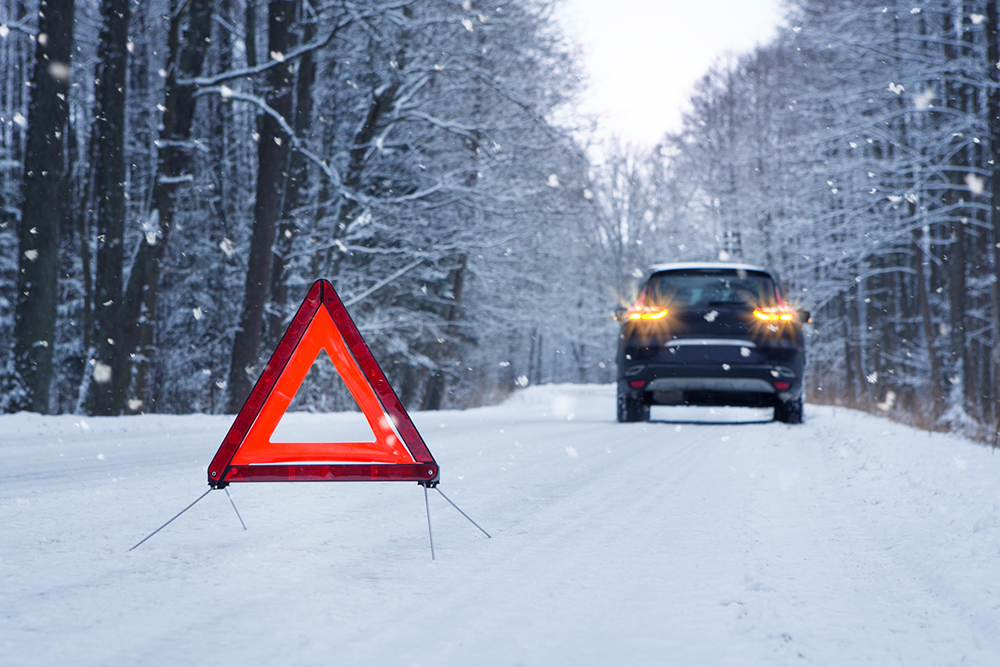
(637,384)
(648,315)
(782,386)
(775,314)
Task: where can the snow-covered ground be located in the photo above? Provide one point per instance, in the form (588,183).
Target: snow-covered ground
(692,540)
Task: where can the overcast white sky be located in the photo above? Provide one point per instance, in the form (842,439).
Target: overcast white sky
(644,56)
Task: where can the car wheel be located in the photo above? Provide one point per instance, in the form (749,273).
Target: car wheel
(789,412)
(632,408)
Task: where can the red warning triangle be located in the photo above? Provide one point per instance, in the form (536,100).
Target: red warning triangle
(247,454)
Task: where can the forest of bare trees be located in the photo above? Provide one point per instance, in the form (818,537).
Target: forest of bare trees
(854,153)
(174,175)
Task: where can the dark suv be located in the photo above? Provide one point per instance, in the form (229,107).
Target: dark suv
(711,334)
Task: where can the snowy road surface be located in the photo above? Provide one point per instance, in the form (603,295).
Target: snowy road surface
(692,540)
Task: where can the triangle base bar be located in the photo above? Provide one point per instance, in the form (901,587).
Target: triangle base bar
(400,472)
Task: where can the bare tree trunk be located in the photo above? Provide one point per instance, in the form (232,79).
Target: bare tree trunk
(250,33)
(993,122)
(854,342)
(38,248)
(108,380)
(184,59)
(297,181)
(380,105)
(272,153)
(937,399)
(438,381)
(956,249)
(957,307)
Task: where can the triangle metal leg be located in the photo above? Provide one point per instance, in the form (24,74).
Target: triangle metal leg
(459,510)
(430,534)
(174,517)
(234,507)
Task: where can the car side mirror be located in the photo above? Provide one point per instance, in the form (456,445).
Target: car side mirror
(805,317)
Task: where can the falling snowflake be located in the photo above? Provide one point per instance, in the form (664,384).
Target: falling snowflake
(227,247)
(976,184)
(553,181)
(924,99)
(890,400)
(102,373)
(32,255)
(896,88)
(197,313)
(59,71)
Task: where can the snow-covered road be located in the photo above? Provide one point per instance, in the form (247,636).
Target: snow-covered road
(692,540)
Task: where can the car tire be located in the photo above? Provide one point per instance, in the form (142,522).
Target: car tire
(789,412)
(632,408)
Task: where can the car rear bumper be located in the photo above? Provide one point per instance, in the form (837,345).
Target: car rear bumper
(712,384)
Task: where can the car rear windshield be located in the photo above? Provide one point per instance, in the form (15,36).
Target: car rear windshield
(711,287)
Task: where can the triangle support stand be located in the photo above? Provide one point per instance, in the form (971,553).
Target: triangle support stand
(459,510)
(177,515)
(430,534)
(226,489)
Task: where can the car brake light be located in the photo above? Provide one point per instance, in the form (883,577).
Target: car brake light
(657,315)
(782,386)
(774,315)
(637,384)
